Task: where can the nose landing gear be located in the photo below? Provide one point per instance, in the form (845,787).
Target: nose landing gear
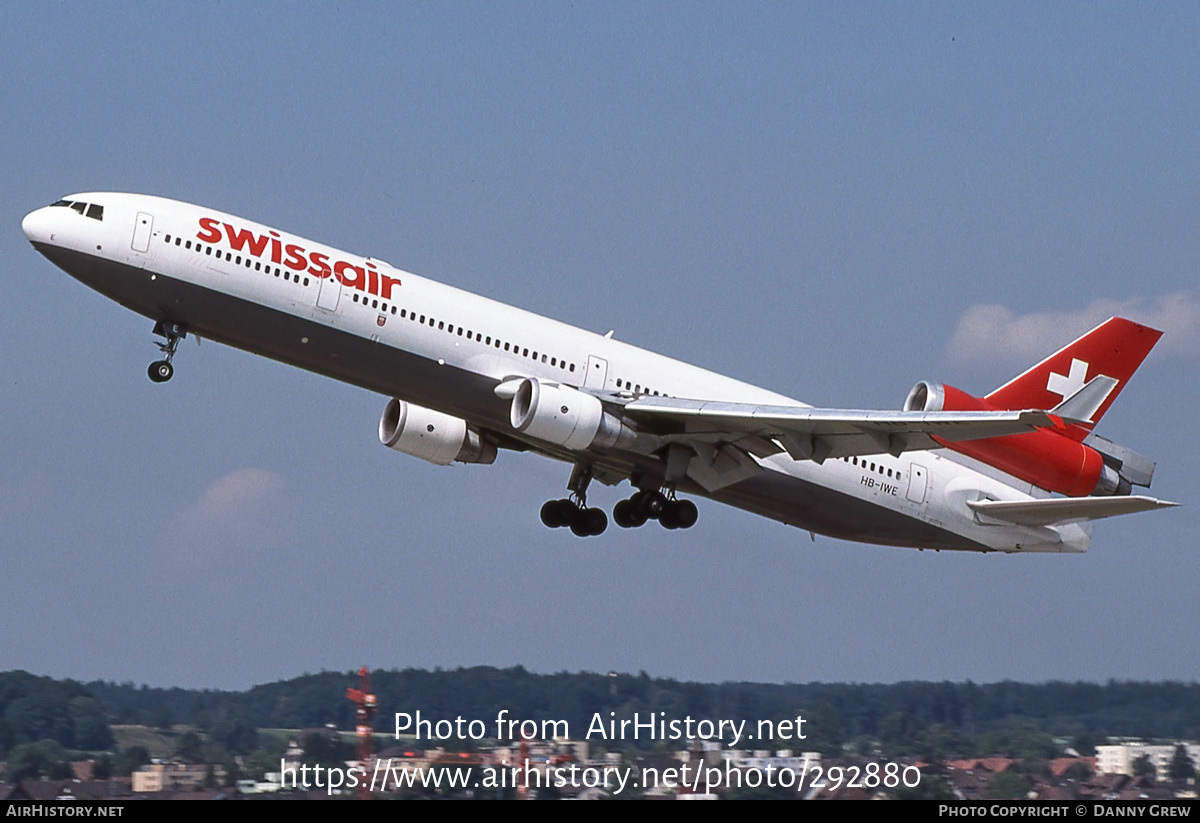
(161,371)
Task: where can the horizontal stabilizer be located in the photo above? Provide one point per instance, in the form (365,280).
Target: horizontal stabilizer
(1064,509)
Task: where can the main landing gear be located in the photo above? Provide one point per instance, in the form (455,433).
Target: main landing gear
(644,505)
(160,371)
(574,511)
(655,505)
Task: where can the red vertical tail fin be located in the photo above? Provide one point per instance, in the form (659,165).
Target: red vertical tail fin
(1114,348)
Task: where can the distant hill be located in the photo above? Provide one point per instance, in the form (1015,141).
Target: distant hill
(913,716)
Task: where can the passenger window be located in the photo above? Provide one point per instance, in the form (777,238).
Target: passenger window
(188,244)
(208,250)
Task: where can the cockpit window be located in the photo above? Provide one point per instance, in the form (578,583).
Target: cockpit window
(92,210)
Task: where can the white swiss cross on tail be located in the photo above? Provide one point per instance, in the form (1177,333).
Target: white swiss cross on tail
(1065,385)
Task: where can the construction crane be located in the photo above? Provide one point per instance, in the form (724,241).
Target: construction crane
(367,703)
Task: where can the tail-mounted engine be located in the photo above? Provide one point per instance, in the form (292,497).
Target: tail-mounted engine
(1058,460)
(431,435)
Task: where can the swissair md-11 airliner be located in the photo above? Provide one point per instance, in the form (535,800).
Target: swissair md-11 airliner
(1017,470)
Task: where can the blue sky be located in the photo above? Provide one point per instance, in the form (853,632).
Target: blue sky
(832,201)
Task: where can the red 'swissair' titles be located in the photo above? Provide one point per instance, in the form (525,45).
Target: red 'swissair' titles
(364,278)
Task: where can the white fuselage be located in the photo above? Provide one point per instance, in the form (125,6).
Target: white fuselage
(362,321)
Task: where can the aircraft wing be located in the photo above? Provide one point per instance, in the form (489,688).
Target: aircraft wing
(1064,509)
(818,434)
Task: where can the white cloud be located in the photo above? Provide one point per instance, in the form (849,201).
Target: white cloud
(240,510)
(987,333)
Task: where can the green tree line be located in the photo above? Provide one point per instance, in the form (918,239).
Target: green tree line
(929,719)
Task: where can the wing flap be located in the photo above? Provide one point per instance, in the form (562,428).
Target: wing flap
(815,434)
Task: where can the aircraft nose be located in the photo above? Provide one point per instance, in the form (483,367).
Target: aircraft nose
(37,225)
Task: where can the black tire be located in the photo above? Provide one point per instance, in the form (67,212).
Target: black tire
(552,514)
(579,525)
(557,514)
(160,371)
(669,519)
(595,520)
(686,513)
(623,514)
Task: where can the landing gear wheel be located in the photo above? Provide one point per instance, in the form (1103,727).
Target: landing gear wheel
(558,513)
(552,515)
(160,371)
(596,521)
(669,519)
(686,513)
(588,522)
(625,515)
